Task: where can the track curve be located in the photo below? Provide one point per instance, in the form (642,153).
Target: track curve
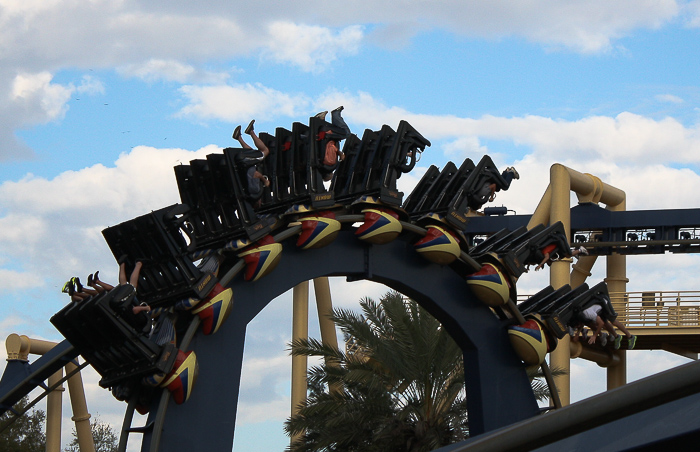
(498,389)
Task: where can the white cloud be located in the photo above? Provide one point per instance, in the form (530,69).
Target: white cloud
(310,48)
(153,40)
(90,85)
(582,27)
(240,103)
(171,70)
(626,139)
(40,99)
(692,13)
(52,228)
(669,98)
(34,98)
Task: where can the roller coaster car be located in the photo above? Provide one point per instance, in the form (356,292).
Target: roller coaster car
(204,186)
(517,239)
(531,251)
(483,175)
(158,240)
(561,307)
(401,158)
(381,159)
(236,169)
(345,176)
(497,241)
(442,193)
(322,134)
(295,166)
(597,294)
(417,202)
(553,307)
(277,166)
(117,347)
(494,240)
(451,193)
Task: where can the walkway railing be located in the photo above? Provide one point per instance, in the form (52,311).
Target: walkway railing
(650,309)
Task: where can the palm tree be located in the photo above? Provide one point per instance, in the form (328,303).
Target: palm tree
(398,386)
(401,383)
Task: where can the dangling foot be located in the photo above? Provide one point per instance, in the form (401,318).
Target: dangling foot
(618,341)
(631,342)
(78,286)
(236,133)
(91,282)
(321,115)
(511,169)
(68,287)
(583,250)
(339,109)
(250,129)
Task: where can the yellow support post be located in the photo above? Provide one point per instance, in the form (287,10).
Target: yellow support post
(300,330)
(616,280)
(324,305)
(81,417)
(560,210)
(54,413)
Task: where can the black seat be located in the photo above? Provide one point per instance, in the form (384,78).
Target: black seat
(159,240)
(115,348)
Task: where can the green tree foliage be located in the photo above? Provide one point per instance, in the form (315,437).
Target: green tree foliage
(398,387)
(104,436)
(26,433)
(401,383)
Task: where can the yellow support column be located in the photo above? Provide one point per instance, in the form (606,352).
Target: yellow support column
(560,210)
(324,305)
(300,330)
(81,417)
(54,413)
(617,282)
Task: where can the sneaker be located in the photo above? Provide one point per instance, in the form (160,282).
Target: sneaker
(516,175)
(78,286)
(603,340)
(321,115)
(631,342)
(250,129)
(618,341)
(237,133)
(583,250)
(67,286)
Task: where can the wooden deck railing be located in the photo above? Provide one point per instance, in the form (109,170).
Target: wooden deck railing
(649,309)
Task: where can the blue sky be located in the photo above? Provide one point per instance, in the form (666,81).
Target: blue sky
(102,99)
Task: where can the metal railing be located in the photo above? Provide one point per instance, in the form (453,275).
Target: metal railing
(650,309)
